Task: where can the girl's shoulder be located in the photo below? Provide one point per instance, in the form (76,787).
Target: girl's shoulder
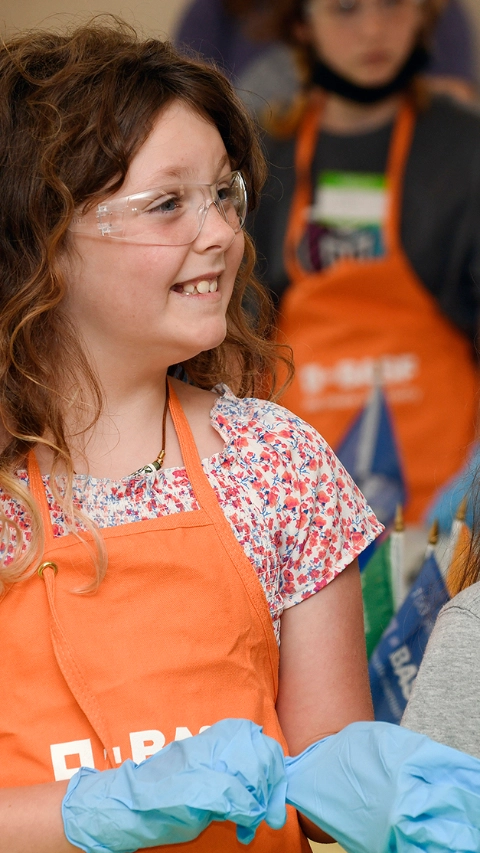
(265,422)
(281,448)
(267,441)
(451,122)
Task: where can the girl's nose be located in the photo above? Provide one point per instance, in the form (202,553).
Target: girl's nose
(215,230)
(372,18)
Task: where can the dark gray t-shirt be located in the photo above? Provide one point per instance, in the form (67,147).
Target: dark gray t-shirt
(440,223)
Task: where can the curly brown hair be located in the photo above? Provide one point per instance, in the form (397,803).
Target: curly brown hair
(74,109)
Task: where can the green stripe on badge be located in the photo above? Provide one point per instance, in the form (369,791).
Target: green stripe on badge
(349,199)
(354,180)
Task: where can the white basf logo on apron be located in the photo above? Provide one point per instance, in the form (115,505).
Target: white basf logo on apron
(343,384)
(68,757)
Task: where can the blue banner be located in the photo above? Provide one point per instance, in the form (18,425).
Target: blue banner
(396,660)
(370,454)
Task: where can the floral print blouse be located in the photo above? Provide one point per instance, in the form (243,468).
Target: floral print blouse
(292,506)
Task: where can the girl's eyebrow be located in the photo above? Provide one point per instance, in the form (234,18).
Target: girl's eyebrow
(184,173)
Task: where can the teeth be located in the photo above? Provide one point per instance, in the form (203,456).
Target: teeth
(203,286)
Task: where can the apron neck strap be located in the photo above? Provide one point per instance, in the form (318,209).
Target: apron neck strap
(397,161)
(306,142)
(308,134)
(191,459)
(37,489)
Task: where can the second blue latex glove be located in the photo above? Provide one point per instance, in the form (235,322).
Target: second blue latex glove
(380,788)
(229,772)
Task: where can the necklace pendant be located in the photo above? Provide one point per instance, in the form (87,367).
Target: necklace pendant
(157,463)
(149,469)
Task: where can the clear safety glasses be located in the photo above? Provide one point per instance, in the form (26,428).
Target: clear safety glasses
(171,215)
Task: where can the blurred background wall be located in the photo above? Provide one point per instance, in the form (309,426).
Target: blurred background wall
(151,16)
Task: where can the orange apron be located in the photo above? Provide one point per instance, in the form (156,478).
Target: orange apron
(360,321)
(178,636)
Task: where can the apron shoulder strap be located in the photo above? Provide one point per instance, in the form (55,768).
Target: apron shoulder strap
(308,133)
(396,166)
(193,466)
(38,491)
(306,141)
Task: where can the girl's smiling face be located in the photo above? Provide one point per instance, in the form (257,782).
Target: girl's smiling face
(142,299)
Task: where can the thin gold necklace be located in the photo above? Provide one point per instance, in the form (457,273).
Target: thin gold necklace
(157,463)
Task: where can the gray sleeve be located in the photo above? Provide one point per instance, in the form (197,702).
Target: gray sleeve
(445,700)
(270,82)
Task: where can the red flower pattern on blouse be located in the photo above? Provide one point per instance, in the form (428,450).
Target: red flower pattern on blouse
(292,506)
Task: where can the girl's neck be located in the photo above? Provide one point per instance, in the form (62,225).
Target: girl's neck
(346,117)
(127,435)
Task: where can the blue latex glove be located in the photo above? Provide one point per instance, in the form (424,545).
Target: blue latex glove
(380,788)
(229,772)
(449,498)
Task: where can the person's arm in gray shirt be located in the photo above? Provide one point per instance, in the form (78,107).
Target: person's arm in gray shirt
(445,702)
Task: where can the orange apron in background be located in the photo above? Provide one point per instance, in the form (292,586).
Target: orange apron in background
(177,637)
(358,320)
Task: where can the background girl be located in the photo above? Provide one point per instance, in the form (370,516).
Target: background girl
(374,196)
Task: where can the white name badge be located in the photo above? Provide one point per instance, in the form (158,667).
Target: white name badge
(349,199)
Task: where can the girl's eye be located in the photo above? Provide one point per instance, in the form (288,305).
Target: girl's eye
(344,7)
(226,194)
(165,205)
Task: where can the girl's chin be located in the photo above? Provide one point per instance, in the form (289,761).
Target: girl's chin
(203,343)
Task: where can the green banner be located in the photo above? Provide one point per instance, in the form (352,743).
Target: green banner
(378,607)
